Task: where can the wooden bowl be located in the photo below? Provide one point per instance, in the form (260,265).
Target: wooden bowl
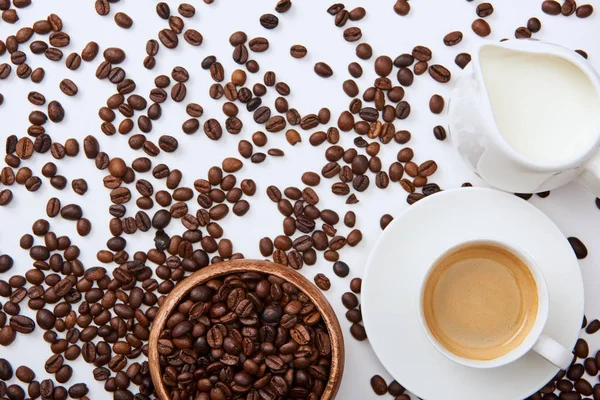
(240,266)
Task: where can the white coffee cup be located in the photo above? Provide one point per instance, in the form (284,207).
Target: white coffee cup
(535,340)
(476,134)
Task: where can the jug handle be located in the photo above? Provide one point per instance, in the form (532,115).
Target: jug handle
(590,177)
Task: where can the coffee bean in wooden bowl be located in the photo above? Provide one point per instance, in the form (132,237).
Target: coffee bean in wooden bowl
(245,329)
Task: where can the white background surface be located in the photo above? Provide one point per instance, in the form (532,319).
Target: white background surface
(307,23)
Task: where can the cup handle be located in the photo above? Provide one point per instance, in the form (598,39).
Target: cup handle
(553,351)
(590,177)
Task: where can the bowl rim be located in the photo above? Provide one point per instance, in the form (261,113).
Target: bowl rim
(240,266)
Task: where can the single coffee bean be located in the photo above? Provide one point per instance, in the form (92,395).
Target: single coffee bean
(90,51)
(352,34)
(322,282)
(422,53)
(593,327)
(481,27)
(534,25)
(349,300)
(269,21)
(484,10)
(585,11)
(298,51)
(522,33)
(341,269)
(402,7)
(462,60)
(436,104)
(168,38)
(123,20)
(568,8)
(579,248)
(581,348)
(439,132)
(6,371)
(22,324)
(24,374)
(551,7)
(439,73)
(68,87)
(575,372)
(590,366)
(364,51)
(358,332)
(454,38)
(379,385)
(323,70)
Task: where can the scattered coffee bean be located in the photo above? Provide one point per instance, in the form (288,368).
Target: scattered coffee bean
(436,104)
(323,70)
(481,27)
(578,247)
(269,21)
(379,385)
(322,282)
(402,7)
(364,51)
(534,25)
(341,269)
(585,11)
(484,10)
(123,20)
(551,7)
(298,51)
(454,38)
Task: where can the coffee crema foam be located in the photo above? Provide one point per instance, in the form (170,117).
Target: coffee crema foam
(480,302)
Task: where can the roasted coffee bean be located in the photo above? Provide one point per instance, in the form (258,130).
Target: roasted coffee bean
(298,51)
(436,104)
(439,73)
(90,51)
(584,11)
(168,38)
(402,7)
(341,269)
(379,385)
(522,33)
(462,60)
(355,70)
(352,34)
(583,387)
(581,348)
(534,25)
(422,53)
(364,51)
(22,324)
(454,38)
(482,28)
(59,39)
(439,132)
(322,282)
(579,248)
(484,10)
(358,332)
(123,20)
(68,87)
(269,21)
(568,8)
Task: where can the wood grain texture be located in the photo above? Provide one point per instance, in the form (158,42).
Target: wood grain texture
(265,267)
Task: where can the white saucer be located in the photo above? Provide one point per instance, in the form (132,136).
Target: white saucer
(397,264)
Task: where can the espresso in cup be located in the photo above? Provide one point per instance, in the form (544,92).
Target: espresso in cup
(480,301)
